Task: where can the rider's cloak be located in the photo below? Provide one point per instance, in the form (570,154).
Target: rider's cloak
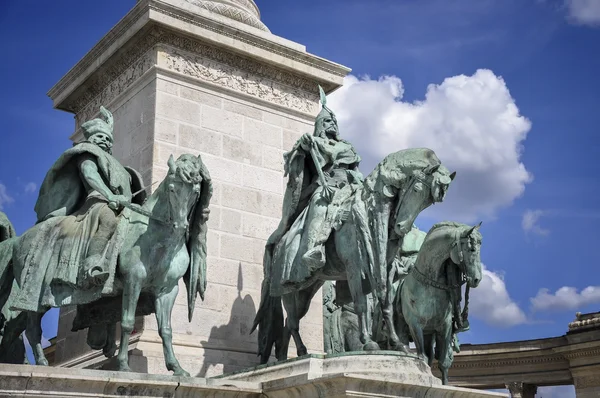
(302,183)
(53,251)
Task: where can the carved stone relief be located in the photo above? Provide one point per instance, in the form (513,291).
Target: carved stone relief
(240,80)
(198,60)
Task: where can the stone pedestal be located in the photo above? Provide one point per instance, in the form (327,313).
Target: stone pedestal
(357,374)
(350,376)
(204,77)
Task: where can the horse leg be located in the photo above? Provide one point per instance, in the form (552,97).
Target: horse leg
(429,351)
(281,347)
(401,326)
(164,307)
(111,346)
(443,341)
(132,285)
(361,307)
(417,333)
(34,335)
(299,303)
(388,313)
(293,321)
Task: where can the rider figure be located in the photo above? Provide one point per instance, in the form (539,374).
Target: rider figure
(339,162)
(89,183)
(99,133)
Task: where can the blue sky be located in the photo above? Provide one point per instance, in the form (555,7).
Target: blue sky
(538,200)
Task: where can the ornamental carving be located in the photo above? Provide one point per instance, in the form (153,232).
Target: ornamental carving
(115,87)
(232,12)
(197,60)
(241,79)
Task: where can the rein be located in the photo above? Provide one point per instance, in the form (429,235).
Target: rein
(461,319)
(430,282)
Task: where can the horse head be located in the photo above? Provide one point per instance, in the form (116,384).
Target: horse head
(415,179)
(183,187)
(466,254)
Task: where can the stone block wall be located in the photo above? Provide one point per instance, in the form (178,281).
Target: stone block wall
(242,144)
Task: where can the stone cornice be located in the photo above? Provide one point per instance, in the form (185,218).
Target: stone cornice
(99,53)
(263,47)
(541,362)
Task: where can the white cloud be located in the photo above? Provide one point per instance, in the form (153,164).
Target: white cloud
(565,298)
(471,122)
(583,12)
(530,223)
(5,198)
(491,302)
(30,187)
(556,392)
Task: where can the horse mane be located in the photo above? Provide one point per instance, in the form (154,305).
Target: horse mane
(190,169)
(452,224)
(399,161)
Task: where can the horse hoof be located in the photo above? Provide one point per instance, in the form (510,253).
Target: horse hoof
(181,372)
(124,368)
(110,352)
(371,346)
(402,348)
(42,362)
(301,352)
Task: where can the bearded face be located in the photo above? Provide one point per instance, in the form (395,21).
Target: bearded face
(329,127)
(103,141)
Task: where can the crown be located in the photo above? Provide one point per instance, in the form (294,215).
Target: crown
(96,126)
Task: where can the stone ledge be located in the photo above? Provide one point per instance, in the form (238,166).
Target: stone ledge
(374,374)
(38,381)
(379,374)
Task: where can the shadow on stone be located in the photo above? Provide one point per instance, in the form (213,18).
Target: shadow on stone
(219,358)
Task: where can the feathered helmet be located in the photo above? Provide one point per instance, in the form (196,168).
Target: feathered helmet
(325,113)
(96,126)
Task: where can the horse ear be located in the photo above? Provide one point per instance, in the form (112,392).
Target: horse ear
(389,191)
(470,231)
(452,176)
(171,164)
(431,169)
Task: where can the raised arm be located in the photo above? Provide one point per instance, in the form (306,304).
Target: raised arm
(89,172)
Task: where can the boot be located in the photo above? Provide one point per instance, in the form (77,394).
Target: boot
(315,257)
(94,272)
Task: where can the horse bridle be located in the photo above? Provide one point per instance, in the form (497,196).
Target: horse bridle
(169,220)
(421,277)
(414,178)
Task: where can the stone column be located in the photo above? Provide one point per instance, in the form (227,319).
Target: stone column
(521,390)
(587,384)
(203,77)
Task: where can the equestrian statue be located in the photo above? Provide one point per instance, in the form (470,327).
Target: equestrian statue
(101,243)
(338,225)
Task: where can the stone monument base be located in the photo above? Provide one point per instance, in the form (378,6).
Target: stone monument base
(359,374)
(372,374)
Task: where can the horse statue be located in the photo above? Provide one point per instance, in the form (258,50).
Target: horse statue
(428,298)
(15,351)
(160,242)
(368,230)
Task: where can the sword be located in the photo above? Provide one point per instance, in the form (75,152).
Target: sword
(327,191)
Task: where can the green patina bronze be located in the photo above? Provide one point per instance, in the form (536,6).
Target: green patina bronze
(101,243)
(441,249)
(429,296)
(12,347)
(337,225)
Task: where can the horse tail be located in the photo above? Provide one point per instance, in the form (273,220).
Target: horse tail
(269,320)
